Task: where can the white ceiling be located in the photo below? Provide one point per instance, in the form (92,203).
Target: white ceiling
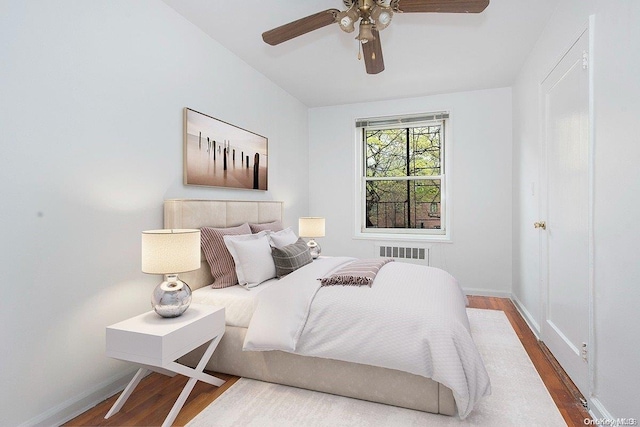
(424,53)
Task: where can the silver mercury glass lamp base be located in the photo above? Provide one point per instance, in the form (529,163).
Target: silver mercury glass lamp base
(172,297)
(314,248)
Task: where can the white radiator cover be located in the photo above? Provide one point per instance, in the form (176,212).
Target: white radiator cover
(411,253)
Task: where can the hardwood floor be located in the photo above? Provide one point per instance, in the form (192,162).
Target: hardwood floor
(153,398)
(562,390)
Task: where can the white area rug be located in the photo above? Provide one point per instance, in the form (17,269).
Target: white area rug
(518,396)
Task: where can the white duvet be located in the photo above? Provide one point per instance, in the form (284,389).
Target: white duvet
(411,319)
(239,302)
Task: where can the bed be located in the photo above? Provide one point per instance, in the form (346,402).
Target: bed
(345,378)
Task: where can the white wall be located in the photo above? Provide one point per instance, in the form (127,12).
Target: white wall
(615,61)
(91,143)
(617,206)
(480,254)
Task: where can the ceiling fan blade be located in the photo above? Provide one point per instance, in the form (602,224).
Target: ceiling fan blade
(372,51)
(300,27)
(443,6)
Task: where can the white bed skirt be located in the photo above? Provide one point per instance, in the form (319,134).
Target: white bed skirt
(355,380)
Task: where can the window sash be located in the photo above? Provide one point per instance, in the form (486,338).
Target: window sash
(422,124)
(405,230)
(436,119)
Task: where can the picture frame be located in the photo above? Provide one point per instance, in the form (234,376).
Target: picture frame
(219,154)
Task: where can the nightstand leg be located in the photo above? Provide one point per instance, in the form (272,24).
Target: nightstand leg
(197,372)
(178,405)
(194,375)
(127,392)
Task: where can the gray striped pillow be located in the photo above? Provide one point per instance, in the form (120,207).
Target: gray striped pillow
(270,226)
(357,273)
(223,269)
(291,257)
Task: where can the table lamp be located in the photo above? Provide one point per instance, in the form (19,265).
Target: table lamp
(312,227)
(170,252)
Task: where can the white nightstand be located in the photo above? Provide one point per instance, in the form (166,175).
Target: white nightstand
(156,342)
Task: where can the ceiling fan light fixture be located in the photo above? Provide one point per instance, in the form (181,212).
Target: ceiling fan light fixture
(347,19)
(382,16)
(365,35)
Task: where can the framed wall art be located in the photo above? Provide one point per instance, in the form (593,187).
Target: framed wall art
(219,154)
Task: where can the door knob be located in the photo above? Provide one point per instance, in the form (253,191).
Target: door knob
(540,224)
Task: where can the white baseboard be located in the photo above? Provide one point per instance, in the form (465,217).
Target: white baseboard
(597,410)
(486,293)
(526,315)
(76,405)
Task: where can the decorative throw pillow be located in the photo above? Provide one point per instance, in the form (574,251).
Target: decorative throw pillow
(282,238)
(266,226)
(219,259)
(291,257)
(252,256)
(357,273)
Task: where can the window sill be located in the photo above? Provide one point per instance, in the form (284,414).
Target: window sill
(407,237)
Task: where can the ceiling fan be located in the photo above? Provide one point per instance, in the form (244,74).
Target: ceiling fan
(374,16)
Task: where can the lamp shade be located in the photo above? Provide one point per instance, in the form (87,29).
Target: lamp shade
(382,15)
(347,19)
(311,227)
(170,251)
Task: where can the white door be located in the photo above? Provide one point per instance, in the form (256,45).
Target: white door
(565,209)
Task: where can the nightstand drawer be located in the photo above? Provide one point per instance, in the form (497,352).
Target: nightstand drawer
(157,341)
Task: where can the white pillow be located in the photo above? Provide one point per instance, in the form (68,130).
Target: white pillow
(283,238)
(252,256)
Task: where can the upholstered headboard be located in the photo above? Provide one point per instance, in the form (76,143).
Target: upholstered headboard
(191,213)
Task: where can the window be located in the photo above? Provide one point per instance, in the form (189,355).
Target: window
(402,176)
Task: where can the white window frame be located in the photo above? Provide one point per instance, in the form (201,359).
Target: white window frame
(412,234)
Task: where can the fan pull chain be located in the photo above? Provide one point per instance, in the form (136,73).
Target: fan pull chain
(359,49)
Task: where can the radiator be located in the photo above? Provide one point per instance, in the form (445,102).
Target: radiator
(415,254)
